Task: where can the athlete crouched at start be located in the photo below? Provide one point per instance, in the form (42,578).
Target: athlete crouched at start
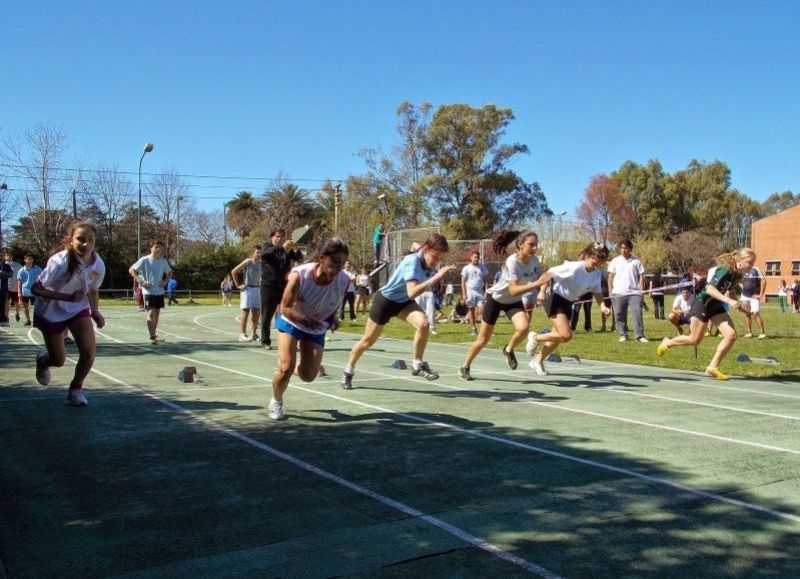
(312,297)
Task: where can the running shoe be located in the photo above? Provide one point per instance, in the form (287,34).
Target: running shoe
(642,340)
(511,359)
(473,332)
(662,347)
(276,410)
(537,367)
(532,344)
(255,337)
(425,371)
(244,338)
(347,381)
(27,323)
(464,374)
(623,339)
(42,371)
(75,397)
(748,335)
(762,336)
(716,374)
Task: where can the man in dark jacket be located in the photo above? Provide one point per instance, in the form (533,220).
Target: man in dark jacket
(274,267)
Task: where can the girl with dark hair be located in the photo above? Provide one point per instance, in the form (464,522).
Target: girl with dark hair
(308,309)
(414,275)
(68,300)
(523,275)
(571,280)
(710,307)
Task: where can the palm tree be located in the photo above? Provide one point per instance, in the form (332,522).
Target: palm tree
(244,213)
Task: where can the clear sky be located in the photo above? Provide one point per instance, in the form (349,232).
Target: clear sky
(254,88)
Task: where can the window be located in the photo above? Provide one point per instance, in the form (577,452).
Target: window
(774,267)
(796,268)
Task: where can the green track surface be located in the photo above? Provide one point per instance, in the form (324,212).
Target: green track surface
(601,469)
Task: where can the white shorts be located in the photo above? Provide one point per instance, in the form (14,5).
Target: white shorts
(754,303)
(474,299)
(250,298)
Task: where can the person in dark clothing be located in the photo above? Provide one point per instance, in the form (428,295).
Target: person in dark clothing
(274,267)
(587,312)
(657,294)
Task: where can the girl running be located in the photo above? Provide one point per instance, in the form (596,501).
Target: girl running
(308,309)
(571,280)
(523,275)
(68,300)
(709,306)
(414,275)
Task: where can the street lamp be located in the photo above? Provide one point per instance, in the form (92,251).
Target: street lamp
(557,215)
(147,148)
(3,189)
(337,198)
(178,228)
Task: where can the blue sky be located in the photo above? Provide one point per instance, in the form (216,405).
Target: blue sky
(254,88)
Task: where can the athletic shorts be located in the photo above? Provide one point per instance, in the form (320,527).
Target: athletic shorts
(705,311)
(152,302)
(474,299)
(250,298)
(684,319)
(754,303)
(362,291)
(383,309)
(47,327)
(283,326)
(559,305)
(493,309)
(28,299)
(529,301)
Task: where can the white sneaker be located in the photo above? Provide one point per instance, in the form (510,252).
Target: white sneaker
(42,371)
(433,331)
(762,336)
(643,340)
(537,367)
(75,397)
(276,410)
(530,347)
(244,338)
(748,335)
(623,339)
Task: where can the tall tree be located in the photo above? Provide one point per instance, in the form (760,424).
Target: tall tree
(778,202)
(163,191)
(468,180)
(604,211)
(244,213)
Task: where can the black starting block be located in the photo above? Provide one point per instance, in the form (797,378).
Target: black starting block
(188,374)
(559,358)
(399,365)
(768,361)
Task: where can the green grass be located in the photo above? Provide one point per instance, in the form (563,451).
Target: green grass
(783,331)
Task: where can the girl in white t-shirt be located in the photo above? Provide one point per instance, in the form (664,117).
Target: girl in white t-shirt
(571,280)
(68,299)
(308,310)
(522,275)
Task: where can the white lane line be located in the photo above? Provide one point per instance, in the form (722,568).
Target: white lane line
(539,450)
(706,404)
(735,389)
(457,532)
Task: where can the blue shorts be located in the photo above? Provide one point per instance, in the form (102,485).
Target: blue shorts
(283,326)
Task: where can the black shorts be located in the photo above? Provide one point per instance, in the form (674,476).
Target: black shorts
(383,310)
(705,311)
(152,302)
(28,299)
(493,309)
(559,305)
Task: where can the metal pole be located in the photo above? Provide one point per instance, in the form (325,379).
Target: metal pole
(178,231)
(147,148)
(74,205)
(225,223)
(3,189)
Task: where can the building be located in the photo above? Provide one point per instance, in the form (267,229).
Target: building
(776,241)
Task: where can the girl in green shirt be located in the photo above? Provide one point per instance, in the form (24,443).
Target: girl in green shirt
(711,305)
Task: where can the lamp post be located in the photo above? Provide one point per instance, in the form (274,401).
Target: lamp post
(337,198)
(3,189)
(556,216)
(147,148)
(178,229)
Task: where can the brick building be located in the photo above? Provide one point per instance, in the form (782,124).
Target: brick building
(776,241)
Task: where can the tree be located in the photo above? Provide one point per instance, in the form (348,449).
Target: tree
(244,213)
(163,191)
(778,202)
(692,249)
(286,206)
(604,211)
(468,182)
(36,157)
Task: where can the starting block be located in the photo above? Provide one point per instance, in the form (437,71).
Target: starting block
(559,358)
(188,374)
(768,361)
(399,365)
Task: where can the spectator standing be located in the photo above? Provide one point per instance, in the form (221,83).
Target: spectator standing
(153,273)
(274,267)
(5,280)
(26,278)
(350,296)
(172,285)
(656,283)
(378,235)
(473,288)
(754,284)
(362,292)
(226,289)
(13,293)
(625,277)
(250,293)
(782,292)
(795,293)
(449,290)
